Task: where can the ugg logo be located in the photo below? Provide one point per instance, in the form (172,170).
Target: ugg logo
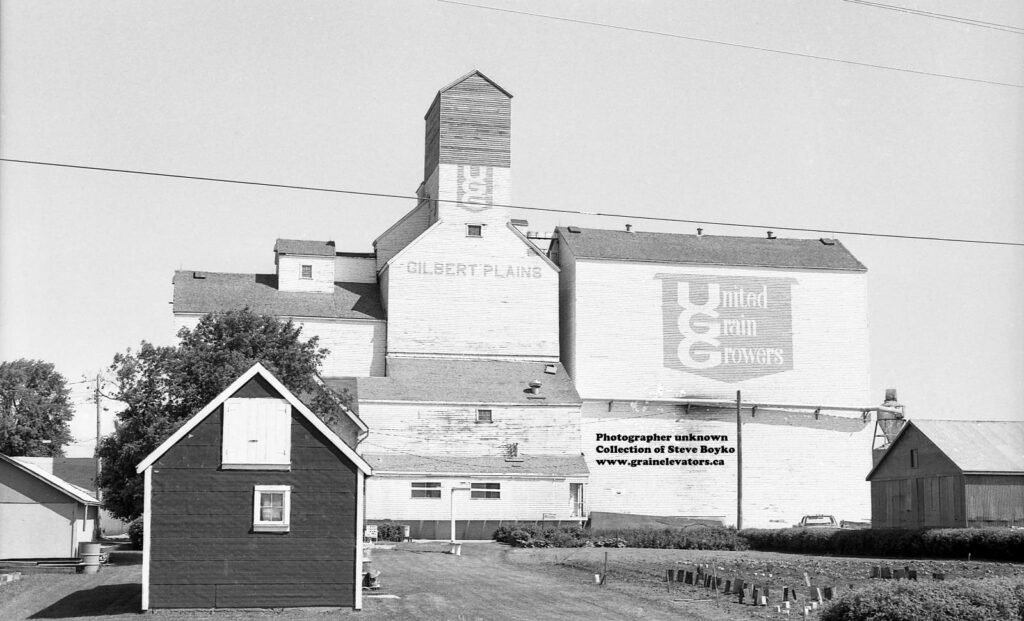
(728,328)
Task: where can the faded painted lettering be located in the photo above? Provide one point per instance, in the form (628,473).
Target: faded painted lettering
(486,270)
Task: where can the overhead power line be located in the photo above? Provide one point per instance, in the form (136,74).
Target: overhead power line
(730,44)
(520,207)
(951,18)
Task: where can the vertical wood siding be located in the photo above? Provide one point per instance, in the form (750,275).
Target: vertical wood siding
(995,500)
(918,502)
(436,429)
(289,274)
(793,465)
(203,553)
(492,296)
(620,336)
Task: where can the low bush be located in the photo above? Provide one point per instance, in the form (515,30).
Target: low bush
(980,543)
(697,538)
(390,531)
(135,534)
(998,599)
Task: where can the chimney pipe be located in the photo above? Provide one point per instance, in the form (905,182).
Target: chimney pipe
(771,234)
(629,228)
(700,231)
(535,387)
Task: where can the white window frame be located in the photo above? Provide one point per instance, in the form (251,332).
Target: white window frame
(271,526)
(302,271)
(425,486)
(485,492)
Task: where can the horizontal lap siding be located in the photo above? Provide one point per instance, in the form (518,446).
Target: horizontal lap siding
(203,553)
(390,498)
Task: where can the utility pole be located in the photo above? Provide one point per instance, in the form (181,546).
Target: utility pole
(99,410)
(739,461)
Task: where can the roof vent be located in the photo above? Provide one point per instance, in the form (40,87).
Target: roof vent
(890,394)
(198,276)
(535,387)
(827,242)
(550,369)
(771,234)
(629,228)
(700,231)
(574,229)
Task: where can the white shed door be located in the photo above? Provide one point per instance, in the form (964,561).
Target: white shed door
(257,432)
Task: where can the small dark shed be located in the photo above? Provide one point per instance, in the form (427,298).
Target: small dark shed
(254,503)
(950,474)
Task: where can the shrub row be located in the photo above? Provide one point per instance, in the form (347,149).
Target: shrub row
(390,531)
(999,599)
(697,538)
(135,534)
(980,543)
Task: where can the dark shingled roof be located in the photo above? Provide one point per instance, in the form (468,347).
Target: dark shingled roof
(211,292)
(304,247)
(709,249)
(536,465)
(469,381)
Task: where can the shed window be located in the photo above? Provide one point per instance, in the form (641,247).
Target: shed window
(307,272)
(426,489)
(484,416)
(474,230)
(488,491)
(257,434)
(913,458)
(271,508)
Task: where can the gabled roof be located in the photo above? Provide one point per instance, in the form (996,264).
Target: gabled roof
(254,370)
(212,292)
(472,73)
(497,465)
(445,380)
(826,254)
(305,247)
(73,491)
(975,447)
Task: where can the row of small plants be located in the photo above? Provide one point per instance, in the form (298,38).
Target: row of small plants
(981,543)
(996,599)
(697,538)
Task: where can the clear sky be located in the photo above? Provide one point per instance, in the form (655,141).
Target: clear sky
(332,94)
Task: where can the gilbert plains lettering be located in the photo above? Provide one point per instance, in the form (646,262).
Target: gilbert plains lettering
(473,270)
(728,328)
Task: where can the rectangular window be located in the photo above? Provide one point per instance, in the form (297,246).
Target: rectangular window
(307,271)
(426,490)
(484,416)
(271,508)
(474,230)
(913,458)
(489,491)
(256,434)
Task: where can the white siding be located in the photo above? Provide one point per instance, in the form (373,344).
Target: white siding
(355,269)
(357,346)
(289,273)
(793,465)
(389,497)
(620,338)
(472,187)
(402,233)
(492,296)
(439,429)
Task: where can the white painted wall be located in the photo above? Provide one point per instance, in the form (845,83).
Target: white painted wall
(492,296)
(389,497)
(357,346)
(620,333)
(451,429)
(289,274)
(355,269)
(402,233)
(792,464)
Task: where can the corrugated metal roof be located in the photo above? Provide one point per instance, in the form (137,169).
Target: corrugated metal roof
(305,247)
(530,465)
(75,492)
(709,249)
(978,446)
(469,381)
(212,292)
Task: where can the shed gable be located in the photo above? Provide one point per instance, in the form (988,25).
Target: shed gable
(913,455)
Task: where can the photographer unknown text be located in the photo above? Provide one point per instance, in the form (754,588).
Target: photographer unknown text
(688,449)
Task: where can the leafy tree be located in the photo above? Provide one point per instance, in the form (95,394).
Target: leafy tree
(34,409)
(162,387)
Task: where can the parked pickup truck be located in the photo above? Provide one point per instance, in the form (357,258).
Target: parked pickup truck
(817,521)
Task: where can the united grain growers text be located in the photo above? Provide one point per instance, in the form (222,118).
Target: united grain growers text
(708,447)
